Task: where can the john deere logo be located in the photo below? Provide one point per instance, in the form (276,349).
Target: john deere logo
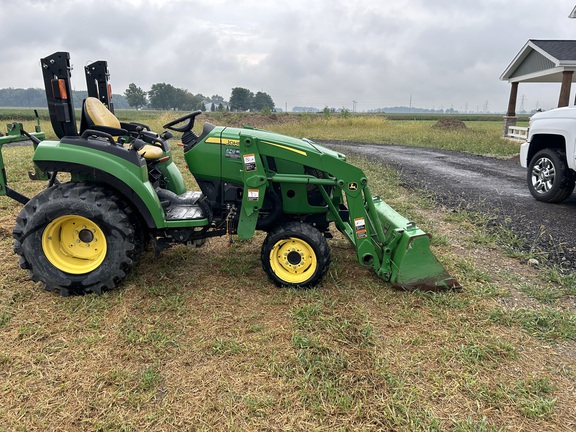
(352,186)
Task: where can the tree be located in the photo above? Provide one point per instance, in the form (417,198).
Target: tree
(135,96)
(262,102)
(166,96)
(217,99)
(217,103)
(241,99)
(183,100)
(186,101)
(162,96)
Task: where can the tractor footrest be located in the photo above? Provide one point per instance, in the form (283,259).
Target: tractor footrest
(181,207)
(184,212)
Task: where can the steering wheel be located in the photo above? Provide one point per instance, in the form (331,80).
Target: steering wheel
(187,122)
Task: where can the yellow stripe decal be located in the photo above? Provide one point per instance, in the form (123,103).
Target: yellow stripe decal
(232,142)
(223,141)
(300,152)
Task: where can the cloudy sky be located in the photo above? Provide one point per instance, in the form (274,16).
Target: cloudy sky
(378,53)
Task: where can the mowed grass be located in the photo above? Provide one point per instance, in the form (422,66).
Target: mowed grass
(199,339)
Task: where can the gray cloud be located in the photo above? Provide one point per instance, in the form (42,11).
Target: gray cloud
(325,52)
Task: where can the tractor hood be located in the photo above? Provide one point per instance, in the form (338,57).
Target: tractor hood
(302,146)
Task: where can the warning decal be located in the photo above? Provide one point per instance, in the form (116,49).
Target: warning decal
(250,162)
(360,225)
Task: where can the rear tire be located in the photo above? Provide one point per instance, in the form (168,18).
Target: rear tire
(549,178)
(76,238)
(295,255)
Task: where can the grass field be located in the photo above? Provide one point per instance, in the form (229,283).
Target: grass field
(199,339)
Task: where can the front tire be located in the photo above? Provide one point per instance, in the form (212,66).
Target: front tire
(75,238)
(295,255)
(549,178)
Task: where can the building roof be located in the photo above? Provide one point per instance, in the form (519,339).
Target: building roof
(542,61)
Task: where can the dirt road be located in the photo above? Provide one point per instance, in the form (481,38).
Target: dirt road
(490,186)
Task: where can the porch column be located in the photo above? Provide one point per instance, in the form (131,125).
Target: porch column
(564,99)
(512,101)
(510,117)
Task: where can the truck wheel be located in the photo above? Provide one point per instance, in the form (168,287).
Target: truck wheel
(295,255)
(549,178)
(75,238)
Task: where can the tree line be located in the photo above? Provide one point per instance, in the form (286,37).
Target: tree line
(161,96)
(36,98)
(164,96)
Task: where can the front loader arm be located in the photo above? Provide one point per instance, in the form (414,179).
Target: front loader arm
(255,184)
(392,245)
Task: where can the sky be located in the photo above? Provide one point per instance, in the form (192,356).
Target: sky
(353,54)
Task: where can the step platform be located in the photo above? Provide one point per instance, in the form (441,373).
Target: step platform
(185,206)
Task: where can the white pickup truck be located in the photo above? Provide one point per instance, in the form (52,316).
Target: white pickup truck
(549,153)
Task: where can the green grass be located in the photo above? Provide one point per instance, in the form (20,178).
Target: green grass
(545,323)
(199,339)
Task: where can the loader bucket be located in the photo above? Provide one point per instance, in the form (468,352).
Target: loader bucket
(408,262)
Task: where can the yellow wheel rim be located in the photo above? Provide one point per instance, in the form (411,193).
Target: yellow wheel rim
(74,244)
(293,260)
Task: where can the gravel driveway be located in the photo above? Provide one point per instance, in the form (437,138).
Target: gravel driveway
(490,186)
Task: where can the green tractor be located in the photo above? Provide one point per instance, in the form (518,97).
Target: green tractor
(125,191)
